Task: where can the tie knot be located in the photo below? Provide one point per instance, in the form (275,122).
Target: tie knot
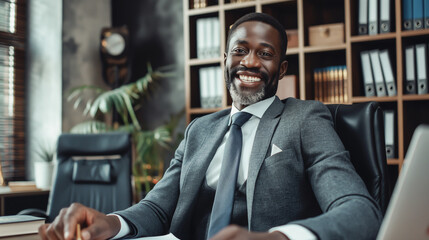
(240,118)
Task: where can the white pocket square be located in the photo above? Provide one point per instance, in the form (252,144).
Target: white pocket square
(275,150)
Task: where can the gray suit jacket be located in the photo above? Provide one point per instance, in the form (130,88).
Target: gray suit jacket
(311,182)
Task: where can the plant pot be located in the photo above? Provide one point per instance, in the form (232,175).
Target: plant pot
(43,174)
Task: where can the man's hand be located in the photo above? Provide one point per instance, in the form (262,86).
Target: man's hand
(95,225)
(234,232)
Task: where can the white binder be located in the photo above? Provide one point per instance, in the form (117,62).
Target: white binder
(373,17)
(209,32)
(367,74)
(212,87)
(201,38)
(378,74)
(389,77)
(363,17)
(204,88)
(384,16)
(410,77)
(219,85)
(389,133)
(216,38)
(422,78)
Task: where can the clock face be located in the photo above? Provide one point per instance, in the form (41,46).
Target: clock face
(114,44)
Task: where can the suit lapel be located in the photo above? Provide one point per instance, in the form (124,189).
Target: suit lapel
(263,136)
(196,171)
(205,152)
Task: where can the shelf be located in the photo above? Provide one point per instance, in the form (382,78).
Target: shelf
(414,33)
(292,51)
(393,161)
(416,97)
(231,6)
(198,62)
(201,11)
(265,2)
(375,99)
(312,49)
(367,38)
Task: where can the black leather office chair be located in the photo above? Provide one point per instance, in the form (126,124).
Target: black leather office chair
(361,129)
(93,169)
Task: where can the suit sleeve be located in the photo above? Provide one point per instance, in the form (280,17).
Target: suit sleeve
(349,212)
(152,215)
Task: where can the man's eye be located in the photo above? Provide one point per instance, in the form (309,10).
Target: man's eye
(238,50)
(266,54)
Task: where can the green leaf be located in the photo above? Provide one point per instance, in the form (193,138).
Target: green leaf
(90,127)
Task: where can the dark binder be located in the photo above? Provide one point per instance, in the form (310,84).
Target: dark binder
(368,81)
(417,14)
(426,13)
(407,14)
(363,17)
(410,76)
(421,60)
(384,16)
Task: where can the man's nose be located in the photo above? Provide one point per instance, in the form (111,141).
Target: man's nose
(250,61)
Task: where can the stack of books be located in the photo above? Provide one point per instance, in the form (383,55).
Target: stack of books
(200,4)
(19,225)
(18,186)
(330,84)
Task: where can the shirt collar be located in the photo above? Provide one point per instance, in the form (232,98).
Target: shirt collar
(257,109)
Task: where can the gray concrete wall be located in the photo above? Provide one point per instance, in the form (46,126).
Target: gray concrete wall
(43,77)
(82,24)
(156,28)
(168,31)
(63,52)
(156,36)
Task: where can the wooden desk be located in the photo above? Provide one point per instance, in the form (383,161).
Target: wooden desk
(12,202)
(22,237)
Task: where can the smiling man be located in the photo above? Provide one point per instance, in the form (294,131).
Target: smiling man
(253,68)
(264,169)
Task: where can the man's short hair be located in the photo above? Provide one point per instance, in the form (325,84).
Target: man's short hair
(265,18)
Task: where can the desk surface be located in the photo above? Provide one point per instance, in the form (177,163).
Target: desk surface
(5,191)
(22,237)
(12,202)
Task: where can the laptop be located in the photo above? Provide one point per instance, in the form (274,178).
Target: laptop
(407,216)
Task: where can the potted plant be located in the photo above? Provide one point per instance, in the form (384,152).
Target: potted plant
(125,101)
(44,165)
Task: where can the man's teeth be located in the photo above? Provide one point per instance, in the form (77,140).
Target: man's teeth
(249,78)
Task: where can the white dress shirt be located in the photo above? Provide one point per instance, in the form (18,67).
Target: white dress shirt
(292,231)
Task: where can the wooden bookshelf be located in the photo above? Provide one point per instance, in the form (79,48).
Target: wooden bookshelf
(411,110)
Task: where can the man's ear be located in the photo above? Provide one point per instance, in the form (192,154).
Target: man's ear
(283,69)
(224,58)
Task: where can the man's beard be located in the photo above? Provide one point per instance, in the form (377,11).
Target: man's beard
(245,97)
